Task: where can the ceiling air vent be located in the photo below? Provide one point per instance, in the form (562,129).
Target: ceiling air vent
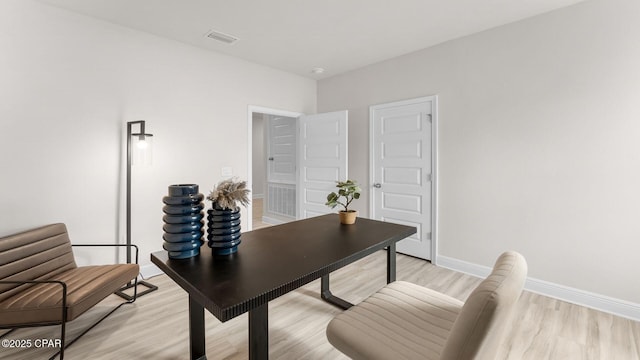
(222,37)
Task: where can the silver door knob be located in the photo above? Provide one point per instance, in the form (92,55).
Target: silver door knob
(377,185)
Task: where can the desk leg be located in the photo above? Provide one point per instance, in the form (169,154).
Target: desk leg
(259,333)
(196,330)
(327,296)
(391,263)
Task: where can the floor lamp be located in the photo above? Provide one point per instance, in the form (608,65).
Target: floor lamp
(141,139)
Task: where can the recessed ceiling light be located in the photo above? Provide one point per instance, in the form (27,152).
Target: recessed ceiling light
(222,37)
(317,70)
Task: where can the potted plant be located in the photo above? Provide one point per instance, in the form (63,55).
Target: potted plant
(349,190)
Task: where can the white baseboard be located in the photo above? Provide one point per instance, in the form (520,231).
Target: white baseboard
(604,303)
(149,271)
(272,221)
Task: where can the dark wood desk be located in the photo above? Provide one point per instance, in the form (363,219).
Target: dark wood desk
(269,263)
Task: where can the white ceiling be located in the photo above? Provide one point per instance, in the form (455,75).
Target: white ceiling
(298,35)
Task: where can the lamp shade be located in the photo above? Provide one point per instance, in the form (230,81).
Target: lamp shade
(141,149)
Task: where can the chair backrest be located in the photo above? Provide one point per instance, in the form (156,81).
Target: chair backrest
(477,332)
(36,254)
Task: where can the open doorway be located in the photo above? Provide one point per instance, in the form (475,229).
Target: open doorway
(273,166)
(296,164)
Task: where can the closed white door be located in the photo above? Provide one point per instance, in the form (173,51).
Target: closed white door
(401,169)
(322,156)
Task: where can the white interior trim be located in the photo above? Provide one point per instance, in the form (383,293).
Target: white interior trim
(434,179)
(150,270)
(595,301)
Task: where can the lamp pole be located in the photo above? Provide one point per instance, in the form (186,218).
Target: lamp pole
(142,136)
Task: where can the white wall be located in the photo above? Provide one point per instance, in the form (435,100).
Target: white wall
(69,84)
(539,142)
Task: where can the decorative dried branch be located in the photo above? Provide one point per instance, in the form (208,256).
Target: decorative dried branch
(229,193)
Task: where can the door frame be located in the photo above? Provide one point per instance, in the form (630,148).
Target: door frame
(434,163)
(263,110)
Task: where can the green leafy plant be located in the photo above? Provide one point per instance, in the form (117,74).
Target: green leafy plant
(229,193)
(349,190)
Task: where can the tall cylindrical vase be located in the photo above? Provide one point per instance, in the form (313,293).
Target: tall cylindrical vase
(223,230)
(183,228)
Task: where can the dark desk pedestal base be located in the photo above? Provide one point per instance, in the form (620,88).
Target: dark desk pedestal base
(327,296)
(391,263)
(259,333)
(196,331)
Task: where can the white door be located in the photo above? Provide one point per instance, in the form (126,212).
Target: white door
(322,156)
(281,166)
(401,169)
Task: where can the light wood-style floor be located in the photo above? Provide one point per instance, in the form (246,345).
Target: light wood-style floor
(257,211)
(156,326)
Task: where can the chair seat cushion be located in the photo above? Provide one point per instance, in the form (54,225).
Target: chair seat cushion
(400,321)
(86,286)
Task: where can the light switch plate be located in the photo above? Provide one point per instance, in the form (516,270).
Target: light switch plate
(227,171)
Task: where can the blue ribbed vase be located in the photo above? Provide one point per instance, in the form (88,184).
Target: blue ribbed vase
(223,230)
(183,221)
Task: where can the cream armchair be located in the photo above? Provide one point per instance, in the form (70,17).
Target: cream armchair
(407,321)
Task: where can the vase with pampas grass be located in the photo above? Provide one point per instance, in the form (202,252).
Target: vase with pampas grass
(223,219)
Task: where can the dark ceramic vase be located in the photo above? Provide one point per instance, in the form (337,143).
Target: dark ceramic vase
(183,221)
(223,230)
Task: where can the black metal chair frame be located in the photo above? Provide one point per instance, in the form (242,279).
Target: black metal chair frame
(62,323)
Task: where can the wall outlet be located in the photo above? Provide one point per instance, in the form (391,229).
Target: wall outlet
(227,171)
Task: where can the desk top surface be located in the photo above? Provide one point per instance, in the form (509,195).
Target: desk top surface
(275,260)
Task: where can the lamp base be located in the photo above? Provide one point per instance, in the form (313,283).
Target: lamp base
(122,294)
